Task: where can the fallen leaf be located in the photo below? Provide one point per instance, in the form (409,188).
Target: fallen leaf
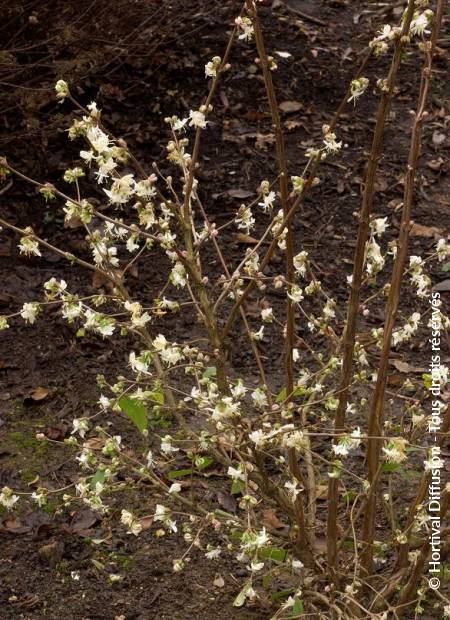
(14,526)
(435,164)
(239,193)
(52,553)
(263,139)
(271,519)
(146,523)
(219,581)
(290,106)
(227,501)
(442,287)
(96,443)
(438,138)
(83,521)
(418,230)
(405,367)
(322,491)
(57,433)
(243,238)
(39,393)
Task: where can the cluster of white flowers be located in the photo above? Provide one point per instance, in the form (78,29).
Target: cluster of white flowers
(405,333)
(245,24)
(395,451)
(7,498)
(419,279)
(357,88)
(133,525)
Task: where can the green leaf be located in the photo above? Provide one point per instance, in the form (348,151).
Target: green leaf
(300,391)
(298,608)
(348,496)
(389,468)
(158,396)
(240,598)
(203,462)
(99,476)
(446,267)
(427,381)
(135,410)
(211,371)
(276,596)
(281,396)
(179,473)
(237,487)
(272,553)
(266,580)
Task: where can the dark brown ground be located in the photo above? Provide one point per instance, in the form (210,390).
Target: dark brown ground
(143,61)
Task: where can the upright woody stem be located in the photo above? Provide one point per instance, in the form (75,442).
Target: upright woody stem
(376,416)
(357,277)
(302,535)
(284,192)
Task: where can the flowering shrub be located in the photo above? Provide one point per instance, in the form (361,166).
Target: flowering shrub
(191,406)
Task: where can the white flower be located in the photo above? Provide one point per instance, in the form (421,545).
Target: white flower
(197,119)
(104,169)
(331,144)
(236,474)
(121,190)
(357,88)
(244,24)
(134,527)
(171,355)
(71,310)
(395,451)
(212,66)
(267,315)
(292,489)
(80,426)
(166,445)
(267,202)
(138,364)
(300,263)
(258,437)
(98,139)
(29,312)
(259,397)
(7,498)
(160,342)
(150,459)
(379,226)
(259,334)
(442,249)
(62,90)
(178,565)
(29,247)
(296,294)
(256,566)
(163,514)
(420,22)
(178,275)
(175,488)
(213,554)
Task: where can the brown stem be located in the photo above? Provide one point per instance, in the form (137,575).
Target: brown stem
(357,278)
(402,560)
(408,591)
(293,209)
(284,192)
(376,415)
